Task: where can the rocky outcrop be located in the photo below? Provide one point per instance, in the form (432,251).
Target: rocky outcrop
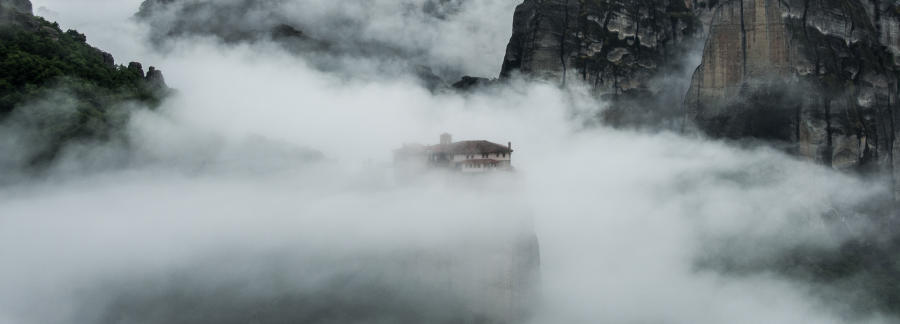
(249,20)
(617,47)
(885,15)
(155,79)
(818,77)
(614,45)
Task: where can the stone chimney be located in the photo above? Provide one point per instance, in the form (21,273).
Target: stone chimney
(446,138)
(509,146)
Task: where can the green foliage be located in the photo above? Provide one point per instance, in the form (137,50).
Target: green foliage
(38,60)
(34,59)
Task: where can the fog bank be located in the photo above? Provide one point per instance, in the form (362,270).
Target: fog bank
(267,183)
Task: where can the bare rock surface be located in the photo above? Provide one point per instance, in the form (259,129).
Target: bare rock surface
(622,50)
(819,78)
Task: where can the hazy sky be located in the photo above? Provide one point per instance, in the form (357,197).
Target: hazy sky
(215,178)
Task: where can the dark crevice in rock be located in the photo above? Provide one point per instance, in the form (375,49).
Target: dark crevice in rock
(829,137)
(743,40)
(562,41)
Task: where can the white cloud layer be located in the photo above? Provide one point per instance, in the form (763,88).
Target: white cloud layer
(221,170)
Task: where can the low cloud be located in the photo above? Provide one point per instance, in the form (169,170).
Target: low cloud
(266,183)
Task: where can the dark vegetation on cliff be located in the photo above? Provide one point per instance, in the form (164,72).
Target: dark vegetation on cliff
(60,89)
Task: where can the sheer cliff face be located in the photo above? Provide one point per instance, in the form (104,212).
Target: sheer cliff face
(615,45)
(818,76)
(885,15)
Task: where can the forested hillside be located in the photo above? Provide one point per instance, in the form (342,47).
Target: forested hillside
(42,65)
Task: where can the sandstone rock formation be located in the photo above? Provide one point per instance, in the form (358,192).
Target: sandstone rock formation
(818,77)
(155,78)
(247,20)
(885,15)
(619,48)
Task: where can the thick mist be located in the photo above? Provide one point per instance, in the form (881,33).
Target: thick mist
(436,40)
(263,190)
